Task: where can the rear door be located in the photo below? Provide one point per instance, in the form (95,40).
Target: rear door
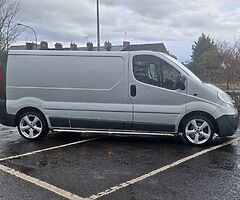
(157,104)
(98,92)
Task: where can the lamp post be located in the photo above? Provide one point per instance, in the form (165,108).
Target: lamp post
(98,27)
(19,24)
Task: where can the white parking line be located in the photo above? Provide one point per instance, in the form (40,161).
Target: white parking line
(47,149)
(40,183)
(152,173)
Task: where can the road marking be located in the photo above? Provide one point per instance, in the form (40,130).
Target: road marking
(152,173)
(9,130)
(40,183)
(47,149)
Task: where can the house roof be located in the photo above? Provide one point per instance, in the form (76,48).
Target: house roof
(158,47)
(114,48)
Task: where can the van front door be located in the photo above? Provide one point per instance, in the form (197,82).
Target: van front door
(157,103)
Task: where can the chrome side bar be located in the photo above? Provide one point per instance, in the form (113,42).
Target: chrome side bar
(110,132)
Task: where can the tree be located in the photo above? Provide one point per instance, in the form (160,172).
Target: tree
(230,56)
(210,59)
(172,55)
(205,55)
(8,27)
(204,43)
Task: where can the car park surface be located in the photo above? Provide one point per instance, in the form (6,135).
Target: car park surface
(89,166)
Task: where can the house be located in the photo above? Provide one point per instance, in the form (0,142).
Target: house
(126,46)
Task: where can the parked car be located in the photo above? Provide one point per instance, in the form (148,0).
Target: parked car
(142,91)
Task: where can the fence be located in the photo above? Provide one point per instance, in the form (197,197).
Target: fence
(236,97)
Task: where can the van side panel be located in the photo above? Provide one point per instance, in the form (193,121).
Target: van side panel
(37,81)
(72,89)
(97,93)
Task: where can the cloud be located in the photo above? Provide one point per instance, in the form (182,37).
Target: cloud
(136,20)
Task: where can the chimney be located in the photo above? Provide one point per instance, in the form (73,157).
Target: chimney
(44,45)
(126,44)
(73,46)
(89,46)
(108,45)
(58,46)
(30,45)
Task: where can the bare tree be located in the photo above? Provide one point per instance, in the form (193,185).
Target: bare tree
(9,30)
(230,55)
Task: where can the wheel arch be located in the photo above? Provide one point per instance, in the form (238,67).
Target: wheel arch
(29,109)
(197,113)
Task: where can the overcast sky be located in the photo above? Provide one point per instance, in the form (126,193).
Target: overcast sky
(177,23)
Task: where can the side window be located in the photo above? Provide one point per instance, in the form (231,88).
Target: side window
(170,76)
(147,69)
(154,71)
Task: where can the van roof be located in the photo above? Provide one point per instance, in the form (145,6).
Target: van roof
(55,52)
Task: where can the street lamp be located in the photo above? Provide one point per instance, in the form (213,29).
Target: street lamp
(19,24)
(98,27)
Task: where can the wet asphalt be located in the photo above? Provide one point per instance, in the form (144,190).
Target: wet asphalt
(94,166)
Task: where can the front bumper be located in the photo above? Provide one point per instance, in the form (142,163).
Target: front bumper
(228,125)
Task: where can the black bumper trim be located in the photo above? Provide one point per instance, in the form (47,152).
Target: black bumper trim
(228,125)
(5,118)
(109,124)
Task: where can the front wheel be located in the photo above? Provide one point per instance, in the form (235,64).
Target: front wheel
(198,130)
(32,126)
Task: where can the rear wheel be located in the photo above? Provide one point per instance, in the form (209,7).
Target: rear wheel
(198,130)
(32,126)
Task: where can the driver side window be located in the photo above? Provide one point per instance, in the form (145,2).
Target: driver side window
(170,76)
(154,71)
(147,70)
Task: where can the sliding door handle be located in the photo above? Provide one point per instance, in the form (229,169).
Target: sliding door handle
(133,90)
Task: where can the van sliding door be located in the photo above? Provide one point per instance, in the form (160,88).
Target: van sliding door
(98,92)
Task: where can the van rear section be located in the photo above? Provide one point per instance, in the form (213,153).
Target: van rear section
(67,90)
(5,118)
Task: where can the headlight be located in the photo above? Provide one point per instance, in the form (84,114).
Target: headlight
(225,98)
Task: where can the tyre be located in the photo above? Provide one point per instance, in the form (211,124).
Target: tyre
(32,126)
(198,130)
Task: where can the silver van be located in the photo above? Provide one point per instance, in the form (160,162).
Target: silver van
(124,92)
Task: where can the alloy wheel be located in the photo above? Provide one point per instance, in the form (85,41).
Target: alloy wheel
(30,126)
(198,131)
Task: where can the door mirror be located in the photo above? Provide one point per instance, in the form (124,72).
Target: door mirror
(181,82)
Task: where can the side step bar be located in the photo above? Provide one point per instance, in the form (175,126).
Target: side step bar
(110,132)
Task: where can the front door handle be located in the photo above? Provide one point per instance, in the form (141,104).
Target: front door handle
(133,90)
